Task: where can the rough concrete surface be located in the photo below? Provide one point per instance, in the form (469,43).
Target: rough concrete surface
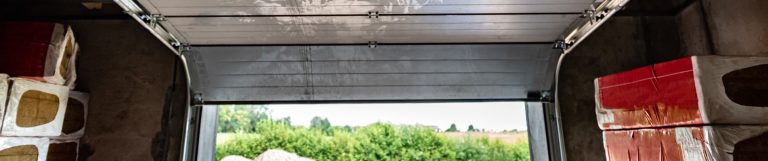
(127,72)
(739,27)
(692,28)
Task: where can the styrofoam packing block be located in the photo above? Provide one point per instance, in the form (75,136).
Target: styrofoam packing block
(23,148)
(34,109)
(698,90)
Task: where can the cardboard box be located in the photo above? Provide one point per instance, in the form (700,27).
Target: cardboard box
(37,50)
(63,150)
(34,109)
(23,149)
(697,143)
(696,90)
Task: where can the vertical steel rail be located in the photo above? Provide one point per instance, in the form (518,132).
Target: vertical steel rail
(151,23)
(593,20)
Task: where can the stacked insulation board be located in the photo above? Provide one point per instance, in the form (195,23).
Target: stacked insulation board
(703,108)
(41,118)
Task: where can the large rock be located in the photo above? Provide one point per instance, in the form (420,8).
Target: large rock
(280,155)
(235,158)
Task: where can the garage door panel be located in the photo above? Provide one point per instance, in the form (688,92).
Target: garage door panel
(343,21)
(246,54)
(241,54)
(425,52)
(388,72)
(334,10)
(305,33)
(443,79)
(361,29)
(299,3)
(436,66)
(287,40)
(260,80)
(369,28)
(258,94)
(335,7)
(245,68)
(366,93)
(351,80)
(420,92)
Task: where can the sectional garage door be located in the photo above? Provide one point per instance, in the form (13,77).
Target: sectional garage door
(392,72)
(318,50)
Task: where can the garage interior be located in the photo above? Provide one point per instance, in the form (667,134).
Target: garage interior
(140,94)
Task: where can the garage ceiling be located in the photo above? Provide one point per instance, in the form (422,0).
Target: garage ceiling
(315,50)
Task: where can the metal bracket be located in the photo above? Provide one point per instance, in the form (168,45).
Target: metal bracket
(151,22)
(592,19)
(546,96)
(561,45)
(181,47)
(590,14)
(373,44)
(373,14)
(197,99)
(158,17)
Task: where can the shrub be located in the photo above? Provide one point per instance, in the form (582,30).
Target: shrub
(375,142)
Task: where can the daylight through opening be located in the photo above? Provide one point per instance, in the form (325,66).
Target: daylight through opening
(483,131)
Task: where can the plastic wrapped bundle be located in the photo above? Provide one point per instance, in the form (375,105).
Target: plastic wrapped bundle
(696,143)
(35,109)
(23,149)
(698,90)
(3,93)
(37,50)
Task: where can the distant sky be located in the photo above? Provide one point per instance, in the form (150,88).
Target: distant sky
(496,116)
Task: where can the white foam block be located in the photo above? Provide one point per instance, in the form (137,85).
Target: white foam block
(23,148)
(34,109)
(3,94)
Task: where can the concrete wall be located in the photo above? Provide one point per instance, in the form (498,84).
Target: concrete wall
(738,27)
(129,75)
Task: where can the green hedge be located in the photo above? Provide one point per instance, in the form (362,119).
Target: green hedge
(376,142)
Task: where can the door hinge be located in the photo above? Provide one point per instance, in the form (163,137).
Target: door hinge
(373,14)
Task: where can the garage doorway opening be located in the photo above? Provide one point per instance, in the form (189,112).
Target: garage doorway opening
(390,131)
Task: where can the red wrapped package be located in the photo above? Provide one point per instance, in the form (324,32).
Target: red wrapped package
(697,143)
(690,91)
(37,50)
